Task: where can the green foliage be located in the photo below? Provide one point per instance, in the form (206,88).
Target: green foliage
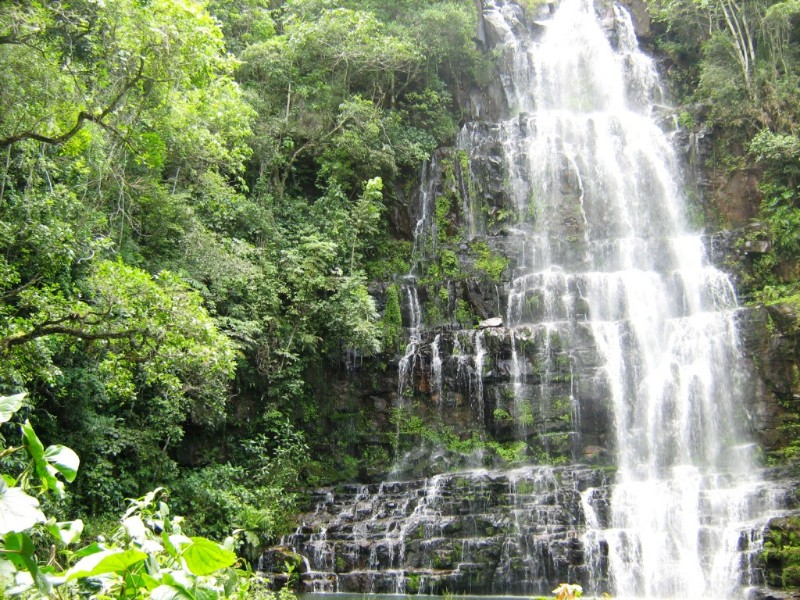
(463,314)
(191,208)
(740,59)
(441,213)
(387,258)
(219,497)
(164,62)
(779,210)
(449,264)
(501,414)
(375,460)
(155,359)
(412,429)
(147,556)
(525,415)
(511,452)
(784,148)
(532,5)
(686,120)
(413,583)
(354,319)
(781,553)
(249,492)
(487,263)
(392,322)
(372,110)
(120,112)
(244,22)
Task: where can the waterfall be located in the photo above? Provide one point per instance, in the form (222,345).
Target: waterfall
(584,146)
(614,385)
(407,363)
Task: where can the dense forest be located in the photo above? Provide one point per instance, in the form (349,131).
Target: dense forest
(204,206)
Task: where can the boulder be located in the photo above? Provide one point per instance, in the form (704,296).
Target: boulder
(489,323)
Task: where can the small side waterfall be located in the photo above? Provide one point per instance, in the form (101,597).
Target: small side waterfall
(616,359)
(407,363)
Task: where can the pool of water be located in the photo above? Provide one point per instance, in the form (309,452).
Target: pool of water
(350,596)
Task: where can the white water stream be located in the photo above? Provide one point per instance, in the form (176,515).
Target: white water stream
(586,156)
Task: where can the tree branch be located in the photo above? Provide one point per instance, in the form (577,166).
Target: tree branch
(57,329)
(83,116)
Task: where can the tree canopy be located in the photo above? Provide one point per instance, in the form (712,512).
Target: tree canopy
(193,201)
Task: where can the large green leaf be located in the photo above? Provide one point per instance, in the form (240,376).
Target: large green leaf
(204,557)
(48,463)
(176,585)
(18,510)
(32,442)
(36,450)
(107,561)
(64,460)
(90,549)
(68,532)
(206,593)
(173,543)
(179,585)
(170,592)
(150,582)
(9,405)
(20,551)
(137,583)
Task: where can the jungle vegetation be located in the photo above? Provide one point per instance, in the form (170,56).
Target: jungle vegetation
(195,197)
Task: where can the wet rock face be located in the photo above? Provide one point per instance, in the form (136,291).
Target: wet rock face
(530,385)
(735,250)
(474,532)
(487,168)
(640,15)
(770,338)
(281,560)
(782,555)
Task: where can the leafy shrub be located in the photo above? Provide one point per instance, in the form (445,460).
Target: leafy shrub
(147,556)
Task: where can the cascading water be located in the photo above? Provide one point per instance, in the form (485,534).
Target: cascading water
(407,362)
(619,343)
(609,233)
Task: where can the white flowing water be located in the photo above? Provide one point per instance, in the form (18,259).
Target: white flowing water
(407,362)
(423,230)
(609,244)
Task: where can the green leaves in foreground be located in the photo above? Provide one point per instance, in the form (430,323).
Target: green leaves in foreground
(204,557)
(148,557)
(18,510)
(157,573)
(51,461)
(10,405)
(19,550)
(105,561)
(66,532)
(154,559)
